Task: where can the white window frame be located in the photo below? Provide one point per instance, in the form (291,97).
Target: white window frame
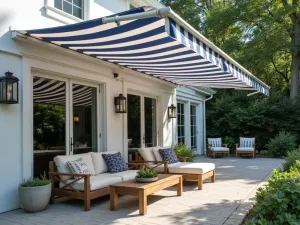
(63,17)
(195,147)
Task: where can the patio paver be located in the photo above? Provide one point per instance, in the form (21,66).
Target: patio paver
(218,203)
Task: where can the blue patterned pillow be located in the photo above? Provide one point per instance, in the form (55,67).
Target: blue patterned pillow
(169,155)
(115,162)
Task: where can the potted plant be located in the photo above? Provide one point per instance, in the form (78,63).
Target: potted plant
(146,176)
(34,194)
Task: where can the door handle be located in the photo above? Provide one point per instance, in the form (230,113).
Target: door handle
(71,145)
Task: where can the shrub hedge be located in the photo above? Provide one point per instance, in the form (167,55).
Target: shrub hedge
(235,115)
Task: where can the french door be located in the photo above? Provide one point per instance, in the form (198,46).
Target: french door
(66,119)
(141,121)
(193,124)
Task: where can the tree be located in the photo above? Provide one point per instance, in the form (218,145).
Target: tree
(264,36)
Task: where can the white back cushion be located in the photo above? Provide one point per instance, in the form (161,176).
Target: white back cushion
(147,154)
(62,166)
(215,142)
(247,142)
(157,154)
(99,163)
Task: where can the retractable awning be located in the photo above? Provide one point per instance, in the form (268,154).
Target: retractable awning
(156,42)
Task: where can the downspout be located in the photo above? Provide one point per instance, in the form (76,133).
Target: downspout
(204,121)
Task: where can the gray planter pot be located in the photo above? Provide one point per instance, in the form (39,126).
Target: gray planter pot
(145,180)
(34,199)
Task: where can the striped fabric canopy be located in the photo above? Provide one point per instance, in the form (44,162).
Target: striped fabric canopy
(156,46)
(47,91)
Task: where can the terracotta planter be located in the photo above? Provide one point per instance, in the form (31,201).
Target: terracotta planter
(34,199)
(146,180)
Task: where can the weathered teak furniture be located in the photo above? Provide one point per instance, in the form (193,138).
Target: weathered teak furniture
(85,186)
(142,190)
(246,147)
(215,147)
(188,170)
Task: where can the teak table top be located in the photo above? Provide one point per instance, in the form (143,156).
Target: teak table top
(162,178)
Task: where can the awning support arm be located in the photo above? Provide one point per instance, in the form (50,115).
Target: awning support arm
(162,12)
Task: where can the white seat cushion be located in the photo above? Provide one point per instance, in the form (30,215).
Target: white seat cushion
(62,166)
(245,149)
(186,167)
(159,169)
(147,154)
(96,182)
(215,149)
(157,154)
(99,163)
(191,167)
(126,175)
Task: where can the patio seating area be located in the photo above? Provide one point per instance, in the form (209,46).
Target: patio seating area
(222,202)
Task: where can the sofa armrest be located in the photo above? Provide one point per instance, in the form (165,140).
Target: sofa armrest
(225,145)
(237,145)
(136,165)
(69,174)
(165,163)
(183,158)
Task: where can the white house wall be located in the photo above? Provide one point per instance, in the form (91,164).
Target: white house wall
(26,58)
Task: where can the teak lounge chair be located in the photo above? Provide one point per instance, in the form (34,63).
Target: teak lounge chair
(246,146)
(188,170)
(215,147)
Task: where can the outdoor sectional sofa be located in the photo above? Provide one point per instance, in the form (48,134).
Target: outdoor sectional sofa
(84,186)
(189,170)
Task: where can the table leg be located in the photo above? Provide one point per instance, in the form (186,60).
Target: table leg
(179,187)
(113,199)
(142,202)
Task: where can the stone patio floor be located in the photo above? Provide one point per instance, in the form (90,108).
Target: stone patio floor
(224,202)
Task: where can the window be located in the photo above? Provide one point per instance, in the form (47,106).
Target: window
(72,7)
(180,123)
(193,128)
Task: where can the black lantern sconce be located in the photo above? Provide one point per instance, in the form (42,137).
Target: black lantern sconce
(76,119)
(171,112)
(9,89)
(120,104)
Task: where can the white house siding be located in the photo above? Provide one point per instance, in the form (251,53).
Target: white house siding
(27,58)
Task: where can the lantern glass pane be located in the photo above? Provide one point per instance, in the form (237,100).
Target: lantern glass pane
(15,92)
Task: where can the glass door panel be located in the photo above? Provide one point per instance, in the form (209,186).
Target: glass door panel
(84,136)
(193,128)
(134,121)
(180,124)
(49,122)
(150,137)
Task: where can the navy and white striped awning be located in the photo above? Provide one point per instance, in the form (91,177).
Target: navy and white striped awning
(156,46)
(47,91)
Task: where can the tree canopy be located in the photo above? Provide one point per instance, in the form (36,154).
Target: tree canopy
(264,36)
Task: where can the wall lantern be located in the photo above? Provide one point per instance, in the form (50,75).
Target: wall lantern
(76,119)
(9,89)
(120,104)
(171,111)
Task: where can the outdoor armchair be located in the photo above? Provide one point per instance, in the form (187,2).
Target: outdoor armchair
(189,170)
(246,147)
(215,147)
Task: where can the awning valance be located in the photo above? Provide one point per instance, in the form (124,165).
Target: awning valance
(161,46)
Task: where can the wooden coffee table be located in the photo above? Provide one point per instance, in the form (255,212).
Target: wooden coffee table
(142,190)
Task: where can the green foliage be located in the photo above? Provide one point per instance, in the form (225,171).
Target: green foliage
(278,203)
(146,173)
(230,143)
(291,159)
(283,143)
(233,114)
(49,124)
(35,182)
(184,151)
